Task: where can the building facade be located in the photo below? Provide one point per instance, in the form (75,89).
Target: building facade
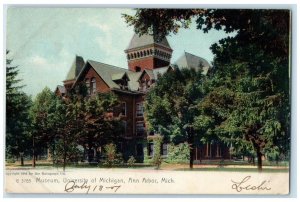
(147,59)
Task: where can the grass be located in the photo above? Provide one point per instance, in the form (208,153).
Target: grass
(240,169)
(225,166)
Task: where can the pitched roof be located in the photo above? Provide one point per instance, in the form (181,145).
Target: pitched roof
(146,39)
(118,76)
(75,68)
(133,82)
(188,60)
(160,71)
(61,89)
(109,73)
(153,74)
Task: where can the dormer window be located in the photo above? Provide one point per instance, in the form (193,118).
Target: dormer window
(121,79)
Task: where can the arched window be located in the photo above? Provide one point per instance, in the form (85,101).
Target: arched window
(137,68)
(138,54)
(88,87)
(142,54)
(151,51)
(134,55)
(93,82)
(148,52)
(131,55)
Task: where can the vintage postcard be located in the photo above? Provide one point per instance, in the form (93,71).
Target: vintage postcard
(147,101)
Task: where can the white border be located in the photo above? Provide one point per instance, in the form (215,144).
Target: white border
(169,3)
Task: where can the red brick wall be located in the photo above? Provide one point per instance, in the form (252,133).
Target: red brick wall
(101,86)
(130,117)
(146,63)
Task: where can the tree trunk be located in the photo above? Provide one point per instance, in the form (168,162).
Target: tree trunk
(64,164)
(22,160)
(191,156)
(259,159)
(33,152)
(64,159)
(191,144)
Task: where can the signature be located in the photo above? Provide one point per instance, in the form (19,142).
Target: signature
(72,186)
(246,185)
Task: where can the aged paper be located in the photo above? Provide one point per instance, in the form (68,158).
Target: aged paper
(116,181)
(90,108)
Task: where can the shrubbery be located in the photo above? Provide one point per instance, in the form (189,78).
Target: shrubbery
(112,158)
(131,161)
(178,153)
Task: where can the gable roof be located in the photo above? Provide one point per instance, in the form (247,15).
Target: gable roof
(134,80)
(146,39)
(188,60)
(75,68)
(160,71)
(153,74)
(110,73)
(61,89)
(119,76)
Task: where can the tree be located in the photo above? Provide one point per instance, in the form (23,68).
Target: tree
(83,121)
(171,107)
(43,128)
(260,109)
(17,116)
(100,127)
(252,67)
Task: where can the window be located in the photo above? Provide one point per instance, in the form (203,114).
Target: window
(140,128)
(164,149)
(93,82)
(119,147)
(139,150)
(123,109)
(150,149)
(137,68)
(124,123)
(139,109)
(87,84)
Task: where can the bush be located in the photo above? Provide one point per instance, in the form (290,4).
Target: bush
(112,158)
(131,161)
(10,161)
(178,153)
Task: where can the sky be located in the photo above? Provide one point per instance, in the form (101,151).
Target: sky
(43,42)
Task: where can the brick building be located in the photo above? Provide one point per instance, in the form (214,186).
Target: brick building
(147,59)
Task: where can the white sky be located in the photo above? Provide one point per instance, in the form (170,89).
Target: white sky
(44,41)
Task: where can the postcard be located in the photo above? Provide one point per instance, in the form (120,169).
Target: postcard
(147,101)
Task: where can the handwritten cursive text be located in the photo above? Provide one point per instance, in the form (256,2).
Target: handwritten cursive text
(246,185)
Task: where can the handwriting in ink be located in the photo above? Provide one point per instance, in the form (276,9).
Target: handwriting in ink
(245,184)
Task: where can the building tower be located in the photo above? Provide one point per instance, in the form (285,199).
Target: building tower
(146,52)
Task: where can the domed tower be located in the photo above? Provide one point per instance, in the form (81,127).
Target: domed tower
(146,52)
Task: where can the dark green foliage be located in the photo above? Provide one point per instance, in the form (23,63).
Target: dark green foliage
(171,107)
(17,115)
(248,97)
(131,161)
(112,157)
(178,153)
(43,122)
(100,127)
(157,159)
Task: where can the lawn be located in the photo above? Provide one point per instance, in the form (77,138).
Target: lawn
(226,166)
